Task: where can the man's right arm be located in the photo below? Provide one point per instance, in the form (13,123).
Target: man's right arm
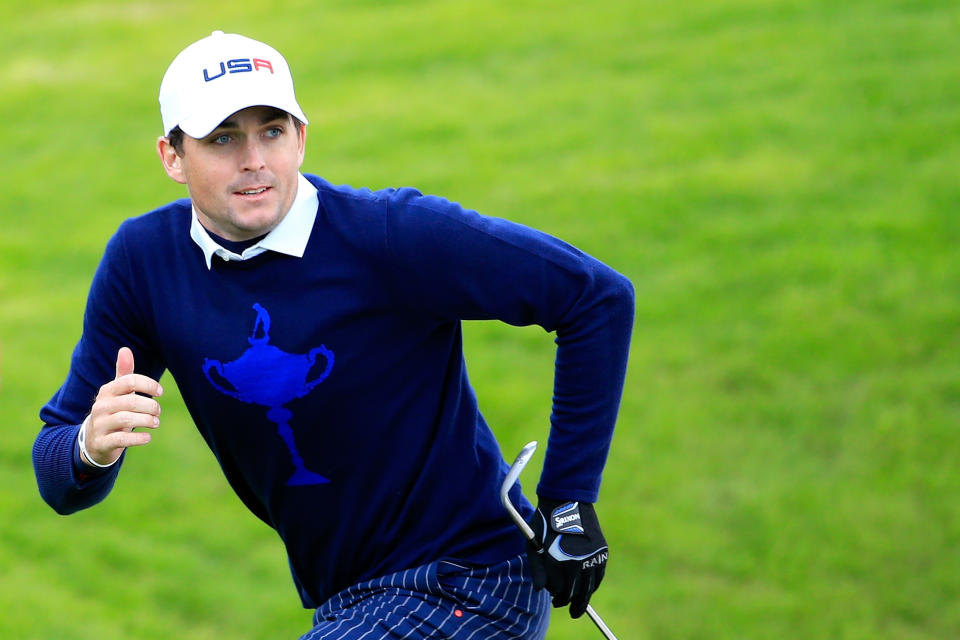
(111,401)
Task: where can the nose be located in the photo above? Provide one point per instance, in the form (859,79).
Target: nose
(252,159)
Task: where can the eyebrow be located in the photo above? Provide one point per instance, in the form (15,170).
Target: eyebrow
(268,117)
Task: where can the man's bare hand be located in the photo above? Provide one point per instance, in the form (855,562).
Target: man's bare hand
(119,409)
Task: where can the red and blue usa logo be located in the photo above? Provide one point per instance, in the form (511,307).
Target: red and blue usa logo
(238,65)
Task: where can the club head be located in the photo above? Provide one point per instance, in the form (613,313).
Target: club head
(518,465)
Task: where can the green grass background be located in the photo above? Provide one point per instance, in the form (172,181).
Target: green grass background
(778,179)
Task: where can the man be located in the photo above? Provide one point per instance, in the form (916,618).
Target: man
(314,332)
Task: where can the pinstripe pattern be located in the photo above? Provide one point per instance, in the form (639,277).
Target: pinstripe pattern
(495,603)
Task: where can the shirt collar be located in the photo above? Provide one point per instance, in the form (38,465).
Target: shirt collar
(289,237)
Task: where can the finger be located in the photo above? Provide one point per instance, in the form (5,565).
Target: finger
(113,444)
(133,383)
(132,402)
(124,362)
(601,571)
(555,584)
(125,439)
(563,590)
(135,403)
(128,420)
(537,571)
(580,599)
(578,607)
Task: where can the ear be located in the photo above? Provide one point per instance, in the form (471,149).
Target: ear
(172,162)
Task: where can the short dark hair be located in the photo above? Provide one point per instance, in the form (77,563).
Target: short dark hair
(175,137)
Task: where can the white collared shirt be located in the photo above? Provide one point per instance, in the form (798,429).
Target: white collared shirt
(290,236)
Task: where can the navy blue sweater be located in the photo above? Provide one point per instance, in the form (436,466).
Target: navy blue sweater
(332,388)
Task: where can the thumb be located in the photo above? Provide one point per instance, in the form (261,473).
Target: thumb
(538,571)
(124,361)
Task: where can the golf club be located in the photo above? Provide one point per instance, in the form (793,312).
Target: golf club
(522,459)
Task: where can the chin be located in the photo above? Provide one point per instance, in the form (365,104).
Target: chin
(258,226)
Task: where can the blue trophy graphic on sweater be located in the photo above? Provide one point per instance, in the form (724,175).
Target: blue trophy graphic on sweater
(269,377)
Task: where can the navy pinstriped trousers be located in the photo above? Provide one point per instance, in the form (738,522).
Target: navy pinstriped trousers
(438,600)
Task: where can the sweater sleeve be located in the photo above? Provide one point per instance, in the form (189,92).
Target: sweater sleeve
(461,265)
(110,321)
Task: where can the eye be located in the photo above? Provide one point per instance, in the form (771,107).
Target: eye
(274,132)
(220,139)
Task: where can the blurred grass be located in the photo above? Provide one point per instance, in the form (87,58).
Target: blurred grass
(777,178)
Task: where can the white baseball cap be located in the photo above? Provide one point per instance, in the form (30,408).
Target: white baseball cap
(220,75)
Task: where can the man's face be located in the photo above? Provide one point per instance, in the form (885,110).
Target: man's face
(242,177)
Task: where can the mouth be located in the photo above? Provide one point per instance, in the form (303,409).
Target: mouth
(252,192)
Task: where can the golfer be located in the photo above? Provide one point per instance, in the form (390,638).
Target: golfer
(314,332)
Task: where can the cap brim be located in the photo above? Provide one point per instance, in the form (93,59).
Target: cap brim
(201,125)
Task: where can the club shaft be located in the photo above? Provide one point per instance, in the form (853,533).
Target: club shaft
(597,620)
(522,459)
